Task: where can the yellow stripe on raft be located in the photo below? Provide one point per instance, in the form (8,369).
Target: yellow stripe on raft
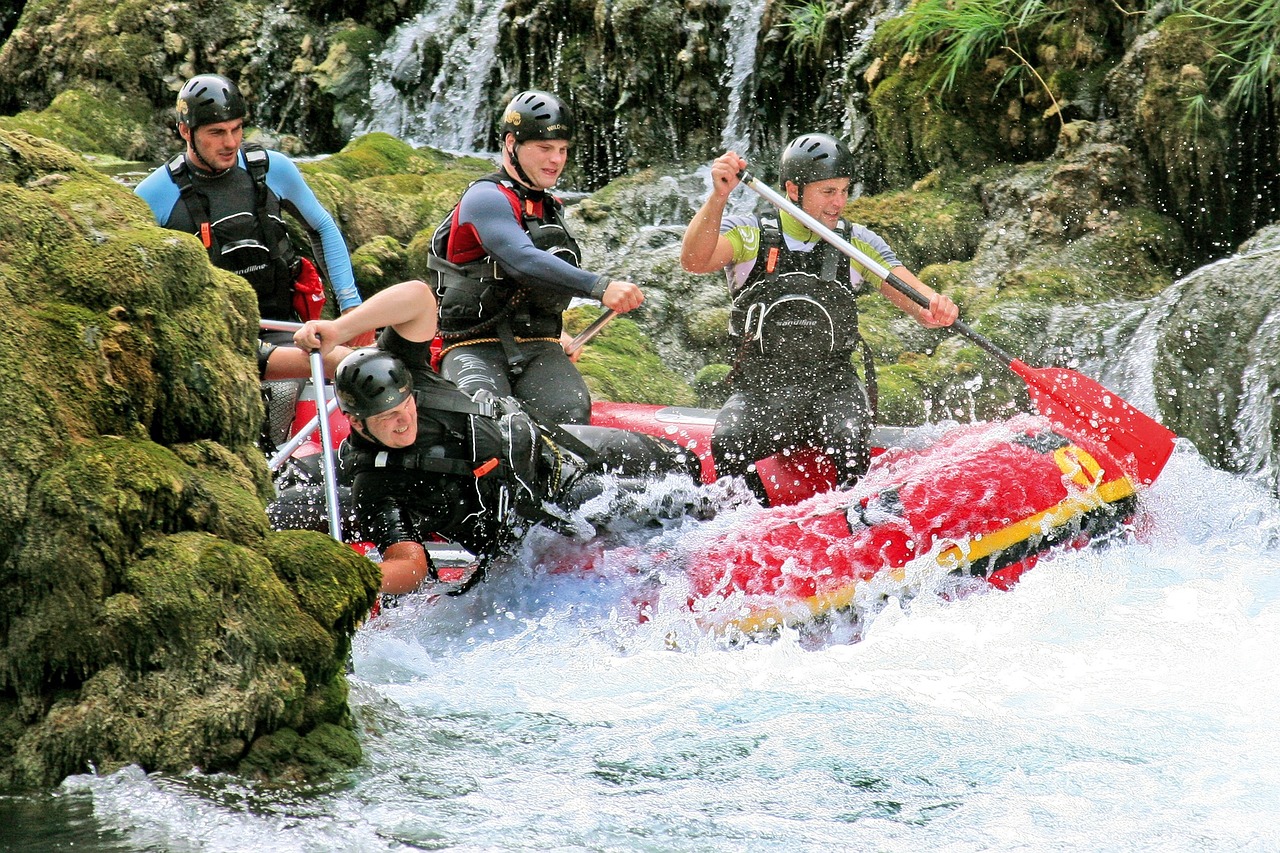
(1075,463)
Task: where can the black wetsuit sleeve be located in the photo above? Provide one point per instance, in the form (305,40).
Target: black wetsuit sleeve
(487,209)
(382,512)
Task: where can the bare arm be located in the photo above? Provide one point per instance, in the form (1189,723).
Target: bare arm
(704,248)
(942,311)
(404,567)
(409,307)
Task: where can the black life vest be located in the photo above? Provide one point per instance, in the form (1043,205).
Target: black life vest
(487,457)
(795,306)
(477,297)
(248,237)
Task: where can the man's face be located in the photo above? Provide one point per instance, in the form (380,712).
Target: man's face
(214,147)
(395,428)
(823,200)
(542,159)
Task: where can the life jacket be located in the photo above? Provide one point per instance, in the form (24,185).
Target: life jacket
(486,455)
(477,297)
(251,242)
(795,306)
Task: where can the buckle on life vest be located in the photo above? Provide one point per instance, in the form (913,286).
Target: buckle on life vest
(486,468)
(772,262)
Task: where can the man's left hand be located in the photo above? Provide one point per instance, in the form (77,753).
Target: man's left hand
(942,312)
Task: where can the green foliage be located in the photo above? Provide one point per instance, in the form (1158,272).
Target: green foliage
(1246,33)
(711,386)
(965,34)
(806,28)
(620,364)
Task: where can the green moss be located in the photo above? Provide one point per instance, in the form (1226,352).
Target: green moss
(902,394)
(709,327)
(379,263)
(918,135)
(620,364)
(335,585)
(923,227)
(709,383)
(377,154)
(286,756)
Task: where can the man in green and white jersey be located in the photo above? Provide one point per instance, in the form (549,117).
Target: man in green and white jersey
(794,321)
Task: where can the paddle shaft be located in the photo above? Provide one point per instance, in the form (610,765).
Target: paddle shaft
(874,267)
(278,326)
(580,340)
(326,448)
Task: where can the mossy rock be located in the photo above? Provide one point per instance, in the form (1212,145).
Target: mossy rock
(620,364)
(917,134)
(379,263)
(710,385)
(375,154)
(152,617)
(95,119)
(922,227)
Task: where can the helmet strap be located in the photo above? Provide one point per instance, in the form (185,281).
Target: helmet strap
(193,153)
(513,154)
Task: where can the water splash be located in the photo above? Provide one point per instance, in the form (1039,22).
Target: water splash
(1114,690)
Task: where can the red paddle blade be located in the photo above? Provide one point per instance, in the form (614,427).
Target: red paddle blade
(1080,405)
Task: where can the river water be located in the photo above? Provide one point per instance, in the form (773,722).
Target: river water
(1120,698)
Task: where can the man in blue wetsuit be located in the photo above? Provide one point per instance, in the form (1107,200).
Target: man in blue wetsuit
(231,196)
(508,268)
(794,321)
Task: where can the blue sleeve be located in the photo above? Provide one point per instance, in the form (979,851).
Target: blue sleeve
(160,193)
(327,243)
(487,209)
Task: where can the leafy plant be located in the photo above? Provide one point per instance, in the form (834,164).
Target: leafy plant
(966,33)
(806,27)
(1246,33)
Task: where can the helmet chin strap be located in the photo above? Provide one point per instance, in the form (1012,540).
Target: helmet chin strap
(194,153)
(513,154)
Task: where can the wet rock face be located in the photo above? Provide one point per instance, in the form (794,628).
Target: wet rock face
(1217,378)
(148,614)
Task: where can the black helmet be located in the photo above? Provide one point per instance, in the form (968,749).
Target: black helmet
(536,115)
(208,99)
(815,157)
(371,381)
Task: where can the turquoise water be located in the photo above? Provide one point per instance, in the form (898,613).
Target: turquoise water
(1122,698)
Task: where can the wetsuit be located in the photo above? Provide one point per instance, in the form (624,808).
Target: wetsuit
(479,473)
(242,242)
(510,271)
(794,327)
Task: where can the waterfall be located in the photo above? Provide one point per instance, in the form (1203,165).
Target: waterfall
(742,30)
(428,83)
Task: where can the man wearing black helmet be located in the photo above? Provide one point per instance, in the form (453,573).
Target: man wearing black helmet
(231,197)
(794,304)
(429,460)
(508,268)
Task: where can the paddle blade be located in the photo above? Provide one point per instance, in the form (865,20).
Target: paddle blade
(1080,405)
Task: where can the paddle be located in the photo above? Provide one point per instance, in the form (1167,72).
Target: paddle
(580,340)
(324,407)
(326,449)
(1071,400)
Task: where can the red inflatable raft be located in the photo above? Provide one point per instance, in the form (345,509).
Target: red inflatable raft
(984,500)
